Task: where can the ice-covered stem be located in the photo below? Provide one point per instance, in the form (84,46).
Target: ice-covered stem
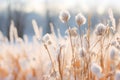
(101,52)
(50,57)
(88,42)
(80,20)
(80,36)
(11,31)
(88,31)
(60,65)
(52,28)
(36,29)
(70,39)
(64,17)
(73,54)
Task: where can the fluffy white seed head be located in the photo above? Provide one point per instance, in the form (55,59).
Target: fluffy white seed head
(64,16)
(73,32)
(80,19)
(112,54)
(117,75)
(118,46)
(113,43)
(100,29)
(47,39)
(82,52)
(118,39)
(96,70)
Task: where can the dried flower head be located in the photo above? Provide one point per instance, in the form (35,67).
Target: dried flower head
(100,29)
(112,54)
(96,70)
(82,52)
(118,40)
(73,32)
(117,75)
(117,46)
(47,39)
(64,16)
(80,19)
(113,43)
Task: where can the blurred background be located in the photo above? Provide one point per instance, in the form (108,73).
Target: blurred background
(22,12)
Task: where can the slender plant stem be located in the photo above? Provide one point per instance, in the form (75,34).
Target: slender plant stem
(60,66)
(88,41)
(50,58)
(73,55)
(80,35)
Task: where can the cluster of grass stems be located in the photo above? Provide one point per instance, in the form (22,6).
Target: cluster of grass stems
(92,55)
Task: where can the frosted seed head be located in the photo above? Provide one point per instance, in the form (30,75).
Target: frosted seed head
(96,70)
(73,32)
(82,52)
(49,42)
(118,39)
(112,54)
(118,46)
(100,29)
(80,19)
(62,44)
(47,39)
(64,16)
(113,43)
(117,75)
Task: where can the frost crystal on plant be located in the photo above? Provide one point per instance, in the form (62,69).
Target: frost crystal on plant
(100,29)
(117,76)
(47,39)
(80,19)
(96,70)
(64,16)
